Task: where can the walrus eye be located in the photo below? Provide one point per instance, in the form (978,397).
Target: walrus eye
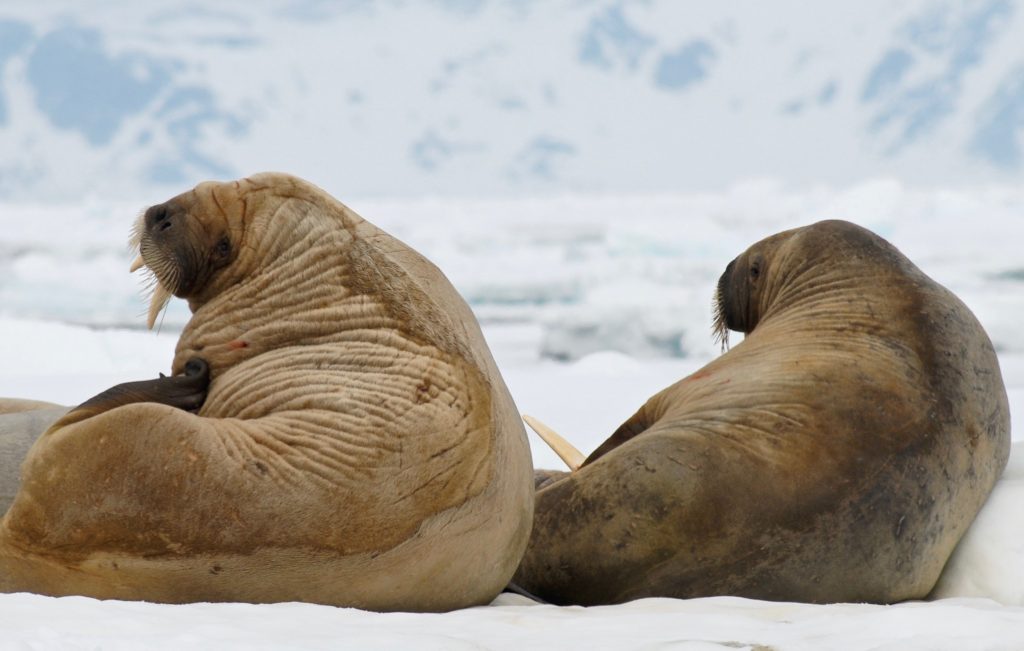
(755,271)
(223,249)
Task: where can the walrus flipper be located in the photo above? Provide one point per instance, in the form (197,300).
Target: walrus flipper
(186,391)
(636,424)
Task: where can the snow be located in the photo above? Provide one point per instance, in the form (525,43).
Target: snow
(989,562)
(571,291)
(714,624)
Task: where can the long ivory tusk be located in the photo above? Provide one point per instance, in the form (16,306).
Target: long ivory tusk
(565,451)
(160,297)
(137,264)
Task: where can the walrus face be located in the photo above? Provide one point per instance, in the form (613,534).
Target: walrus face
(749,284)
(737,296)
(188,241)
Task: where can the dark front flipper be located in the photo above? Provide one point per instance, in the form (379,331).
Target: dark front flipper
(636,424)
(186,391)
(542,478)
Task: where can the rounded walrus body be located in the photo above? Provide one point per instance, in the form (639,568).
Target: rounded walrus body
(356,447)
(837,454)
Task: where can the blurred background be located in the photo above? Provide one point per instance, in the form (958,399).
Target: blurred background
(506,97)
(581,169)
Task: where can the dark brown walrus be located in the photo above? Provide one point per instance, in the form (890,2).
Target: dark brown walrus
(353,442)
(837,454)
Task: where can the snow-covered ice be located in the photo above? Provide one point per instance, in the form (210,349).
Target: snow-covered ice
(714,624)
(588,313)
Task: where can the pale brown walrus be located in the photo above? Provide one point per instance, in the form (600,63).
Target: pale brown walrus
(837,454)
(353,443)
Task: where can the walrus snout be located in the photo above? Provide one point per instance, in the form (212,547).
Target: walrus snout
(158,240)
(158,217)
(163,218)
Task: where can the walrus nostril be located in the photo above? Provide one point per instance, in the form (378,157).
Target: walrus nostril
(158,217)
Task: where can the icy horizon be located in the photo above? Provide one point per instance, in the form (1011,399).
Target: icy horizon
(563,276)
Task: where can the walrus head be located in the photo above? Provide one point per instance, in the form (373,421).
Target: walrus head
(179,251)
(752,281)
(193,244)
(797,267)
(737,296)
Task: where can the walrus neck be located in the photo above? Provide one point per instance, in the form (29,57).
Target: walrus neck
(281,243)
(769,300)
(797,286)
(798,301)
(301,296)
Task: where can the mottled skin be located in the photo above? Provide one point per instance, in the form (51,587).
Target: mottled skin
(354,446)
(837,454)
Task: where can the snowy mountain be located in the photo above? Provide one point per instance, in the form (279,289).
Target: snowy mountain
(483,97)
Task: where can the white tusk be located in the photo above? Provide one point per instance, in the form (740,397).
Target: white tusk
(139,263)
(160,297)
(565,451)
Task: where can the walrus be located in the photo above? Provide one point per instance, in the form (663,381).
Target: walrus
(334,428)
(836,454)
(21,423)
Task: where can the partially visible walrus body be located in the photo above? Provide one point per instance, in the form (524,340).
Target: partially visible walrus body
(21,423)
(352,441)
(837,454)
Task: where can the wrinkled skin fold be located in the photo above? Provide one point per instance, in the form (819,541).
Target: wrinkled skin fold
(355,444)
(838,453)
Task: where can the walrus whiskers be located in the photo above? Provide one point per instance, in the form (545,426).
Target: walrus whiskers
(161,293)
(565,450)
(719,327)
